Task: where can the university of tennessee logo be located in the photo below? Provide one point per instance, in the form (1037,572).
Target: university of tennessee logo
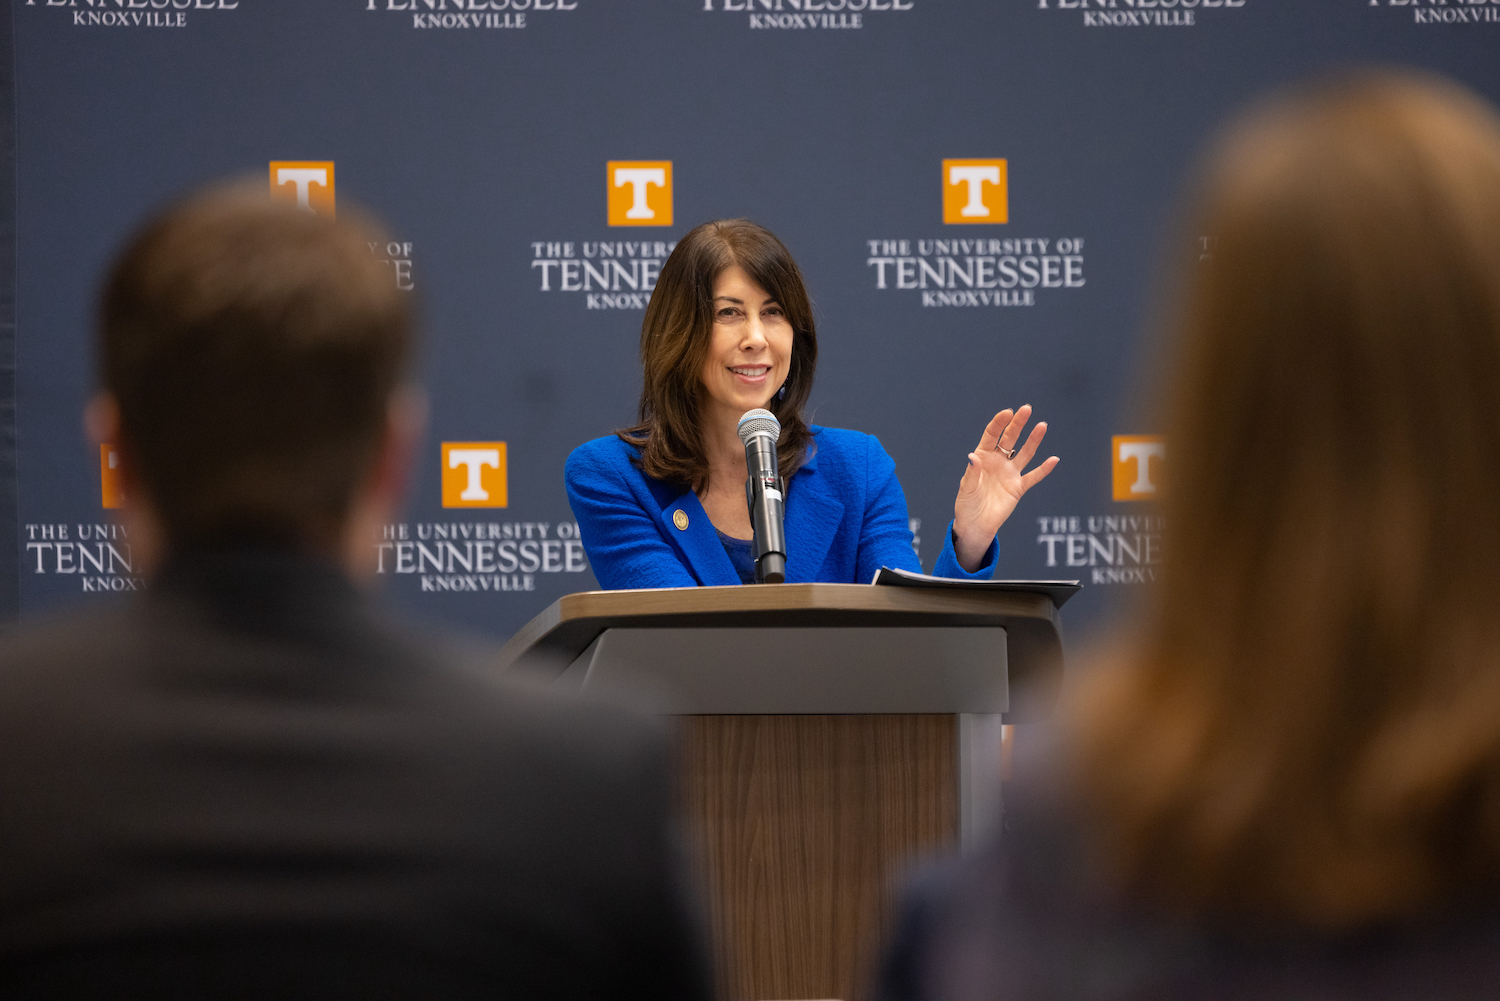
(308,184)
(474,474)
(1137,461)
(975,191)
(109,477)
(640,192)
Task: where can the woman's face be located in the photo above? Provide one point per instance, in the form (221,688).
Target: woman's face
(751,350)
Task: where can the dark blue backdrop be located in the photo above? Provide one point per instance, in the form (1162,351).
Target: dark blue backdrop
(481,135)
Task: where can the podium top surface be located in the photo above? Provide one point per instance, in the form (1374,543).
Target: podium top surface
(565,628)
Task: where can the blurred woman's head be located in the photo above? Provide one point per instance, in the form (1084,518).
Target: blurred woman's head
(687,354)
(1310,727)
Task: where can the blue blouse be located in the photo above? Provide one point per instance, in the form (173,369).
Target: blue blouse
(741,553)
(845,519)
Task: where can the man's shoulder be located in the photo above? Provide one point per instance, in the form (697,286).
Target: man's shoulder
(66,678)
(457,675)
(523,704)
(449,680)
(59,641)
(451,689)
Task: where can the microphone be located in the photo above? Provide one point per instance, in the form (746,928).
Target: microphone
(759,430)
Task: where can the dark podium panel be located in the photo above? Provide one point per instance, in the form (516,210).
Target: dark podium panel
(829,735)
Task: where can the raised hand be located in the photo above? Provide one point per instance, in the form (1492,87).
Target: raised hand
(994,483)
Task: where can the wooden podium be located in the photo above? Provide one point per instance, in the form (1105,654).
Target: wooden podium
(830,735)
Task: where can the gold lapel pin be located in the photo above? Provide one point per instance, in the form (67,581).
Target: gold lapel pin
(679,518)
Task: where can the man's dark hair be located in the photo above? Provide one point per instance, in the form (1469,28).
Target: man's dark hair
(253,350)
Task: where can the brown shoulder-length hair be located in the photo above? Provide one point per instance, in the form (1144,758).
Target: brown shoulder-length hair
(1309,729)
(675,338)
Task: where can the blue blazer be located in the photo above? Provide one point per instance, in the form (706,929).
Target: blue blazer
(845,519)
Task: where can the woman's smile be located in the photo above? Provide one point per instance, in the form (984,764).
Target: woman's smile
(751,375)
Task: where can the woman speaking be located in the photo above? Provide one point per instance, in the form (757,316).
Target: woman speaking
(662,504)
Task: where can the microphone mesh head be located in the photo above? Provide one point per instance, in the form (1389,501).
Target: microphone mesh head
(757,422)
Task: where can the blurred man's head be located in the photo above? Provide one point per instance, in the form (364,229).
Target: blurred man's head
(251,356)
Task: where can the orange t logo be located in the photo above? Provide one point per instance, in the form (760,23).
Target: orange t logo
(308,184)
(640,192)
(1137,462)
(975,191)
(474,474)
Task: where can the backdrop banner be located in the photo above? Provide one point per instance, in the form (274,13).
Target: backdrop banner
(980,193)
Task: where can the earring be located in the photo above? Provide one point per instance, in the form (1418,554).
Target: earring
(781,393)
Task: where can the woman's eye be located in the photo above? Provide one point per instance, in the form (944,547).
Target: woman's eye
(728,314)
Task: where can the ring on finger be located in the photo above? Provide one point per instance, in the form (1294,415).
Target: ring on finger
(1009,453)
